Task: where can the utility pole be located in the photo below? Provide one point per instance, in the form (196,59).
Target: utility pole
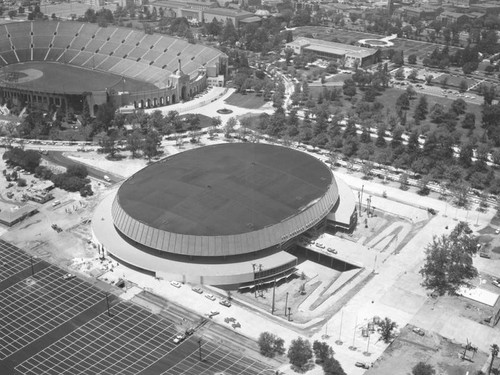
(199,349)
(286,302)
(32,268)
(107,303)
(339,341)
(274,294)
(289,313)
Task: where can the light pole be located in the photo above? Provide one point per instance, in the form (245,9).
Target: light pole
(286,302)
(339,341)
(199,349)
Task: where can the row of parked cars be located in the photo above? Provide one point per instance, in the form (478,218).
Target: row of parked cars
(197,289)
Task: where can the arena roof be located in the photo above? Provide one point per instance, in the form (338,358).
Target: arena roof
(225,199)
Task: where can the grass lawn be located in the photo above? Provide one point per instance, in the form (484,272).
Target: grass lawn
(205,121)
(250,101)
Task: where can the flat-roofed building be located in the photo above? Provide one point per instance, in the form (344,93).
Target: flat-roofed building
(224,14)
(332,50)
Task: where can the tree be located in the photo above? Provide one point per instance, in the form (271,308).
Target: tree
(387,327)
(270,344)
(412,59)
(229,127)
(403,181)
(463,86)
(108,145)
(77,170)
(150,144)
(413,75)
(428,79)
(322,351)
(448,264)
(422,368)
(469,121)
(134,142)
(421,110)
(459,106)
(349,88)
(300,353)
(332,367)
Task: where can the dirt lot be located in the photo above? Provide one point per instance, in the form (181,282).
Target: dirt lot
(409,348)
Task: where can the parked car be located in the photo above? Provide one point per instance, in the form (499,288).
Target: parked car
(320,245)
(189,331)
(236,325)
(68,276)
(418,331)
(197,289)
(179,337)
(225,302)
(230,320)
(496,282)
(485,255)
(210,297)
(176,284)
(330,250)
(362,365)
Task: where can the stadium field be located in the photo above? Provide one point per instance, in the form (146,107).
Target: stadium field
(68,79)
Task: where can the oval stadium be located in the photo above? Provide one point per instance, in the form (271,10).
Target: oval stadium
(51,64)
(209,215)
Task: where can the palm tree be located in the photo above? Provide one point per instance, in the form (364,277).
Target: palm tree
(494,349)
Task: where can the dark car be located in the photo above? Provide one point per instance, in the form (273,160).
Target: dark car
(362,365)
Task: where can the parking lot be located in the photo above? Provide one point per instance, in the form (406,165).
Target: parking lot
(51,324)
(13,261)
(37,305)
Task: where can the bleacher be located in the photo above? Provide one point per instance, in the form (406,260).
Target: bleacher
(107,64)
(120,34)
(134,38)
(18,29)
(54,54)
(44,28)
(39,54)
(136,53)
(150,40)
(151,55)
(104,33)
(42,41)
(63,41)
(164,43)
(81,58)
(108,47)
(123,49)
(121,66)
(4,42)
(95,61)
(87,31)
(68,28)
(93,45)
(21,41)
(24,54)
(10,57)
(78,43)
(67,56)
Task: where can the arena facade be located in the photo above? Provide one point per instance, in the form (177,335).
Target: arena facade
(100,64)
(227,214)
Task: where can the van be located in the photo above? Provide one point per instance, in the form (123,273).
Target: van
(56,203)
(106,178)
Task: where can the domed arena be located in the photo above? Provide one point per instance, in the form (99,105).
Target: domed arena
(51,64)
(208,215)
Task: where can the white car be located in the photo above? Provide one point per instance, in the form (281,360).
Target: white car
(179,337)
(496,282)
(176,284)
(68,276)
(210,297)
(497,231)
(320,245)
